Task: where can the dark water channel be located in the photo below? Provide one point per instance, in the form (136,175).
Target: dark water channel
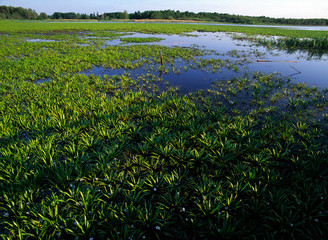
(307,69)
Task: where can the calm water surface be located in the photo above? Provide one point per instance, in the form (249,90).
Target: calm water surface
(307,69)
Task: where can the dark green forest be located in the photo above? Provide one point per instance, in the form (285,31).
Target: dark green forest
(223,17)
(22,13)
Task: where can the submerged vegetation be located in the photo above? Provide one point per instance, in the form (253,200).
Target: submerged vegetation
(130,157)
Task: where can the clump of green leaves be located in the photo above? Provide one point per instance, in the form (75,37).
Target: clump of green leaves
(140,39)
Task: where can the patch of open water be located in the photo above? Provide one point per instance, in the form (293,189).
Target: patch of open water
(40,40)
(190,80)
(310,70)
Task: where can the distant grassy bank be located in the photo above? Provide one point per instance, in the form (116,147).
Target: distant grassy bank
(34,27)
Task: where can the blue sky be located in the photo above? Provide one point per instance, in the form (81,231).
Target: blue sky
(270,8)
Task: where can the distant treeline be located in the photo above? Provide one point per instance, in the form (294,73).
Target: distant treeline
(223,17)
(177,15)
(22,13)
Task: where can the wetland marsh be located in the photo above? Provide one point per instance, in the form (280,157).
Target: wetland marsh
(162,131)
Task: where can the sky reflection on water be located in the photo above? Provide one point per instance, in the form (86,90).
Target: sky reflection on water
(312,70)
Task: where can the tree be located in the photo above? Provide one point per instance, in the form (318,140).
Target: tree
(156,15)
(43,16)
(85,16)
(31,14)
(125,15)
(57,15)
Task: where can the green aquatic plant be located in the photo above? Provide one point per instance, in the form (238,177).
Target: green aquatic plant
(316,46)
(127,156)
(140,40)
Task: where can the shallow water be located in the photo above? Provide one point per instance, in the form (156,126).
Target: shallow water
(310,70)
(40,40)
(190,80)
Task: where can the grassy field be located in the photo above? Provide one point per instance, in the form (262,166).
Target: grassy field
(39,26)
(120,157)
